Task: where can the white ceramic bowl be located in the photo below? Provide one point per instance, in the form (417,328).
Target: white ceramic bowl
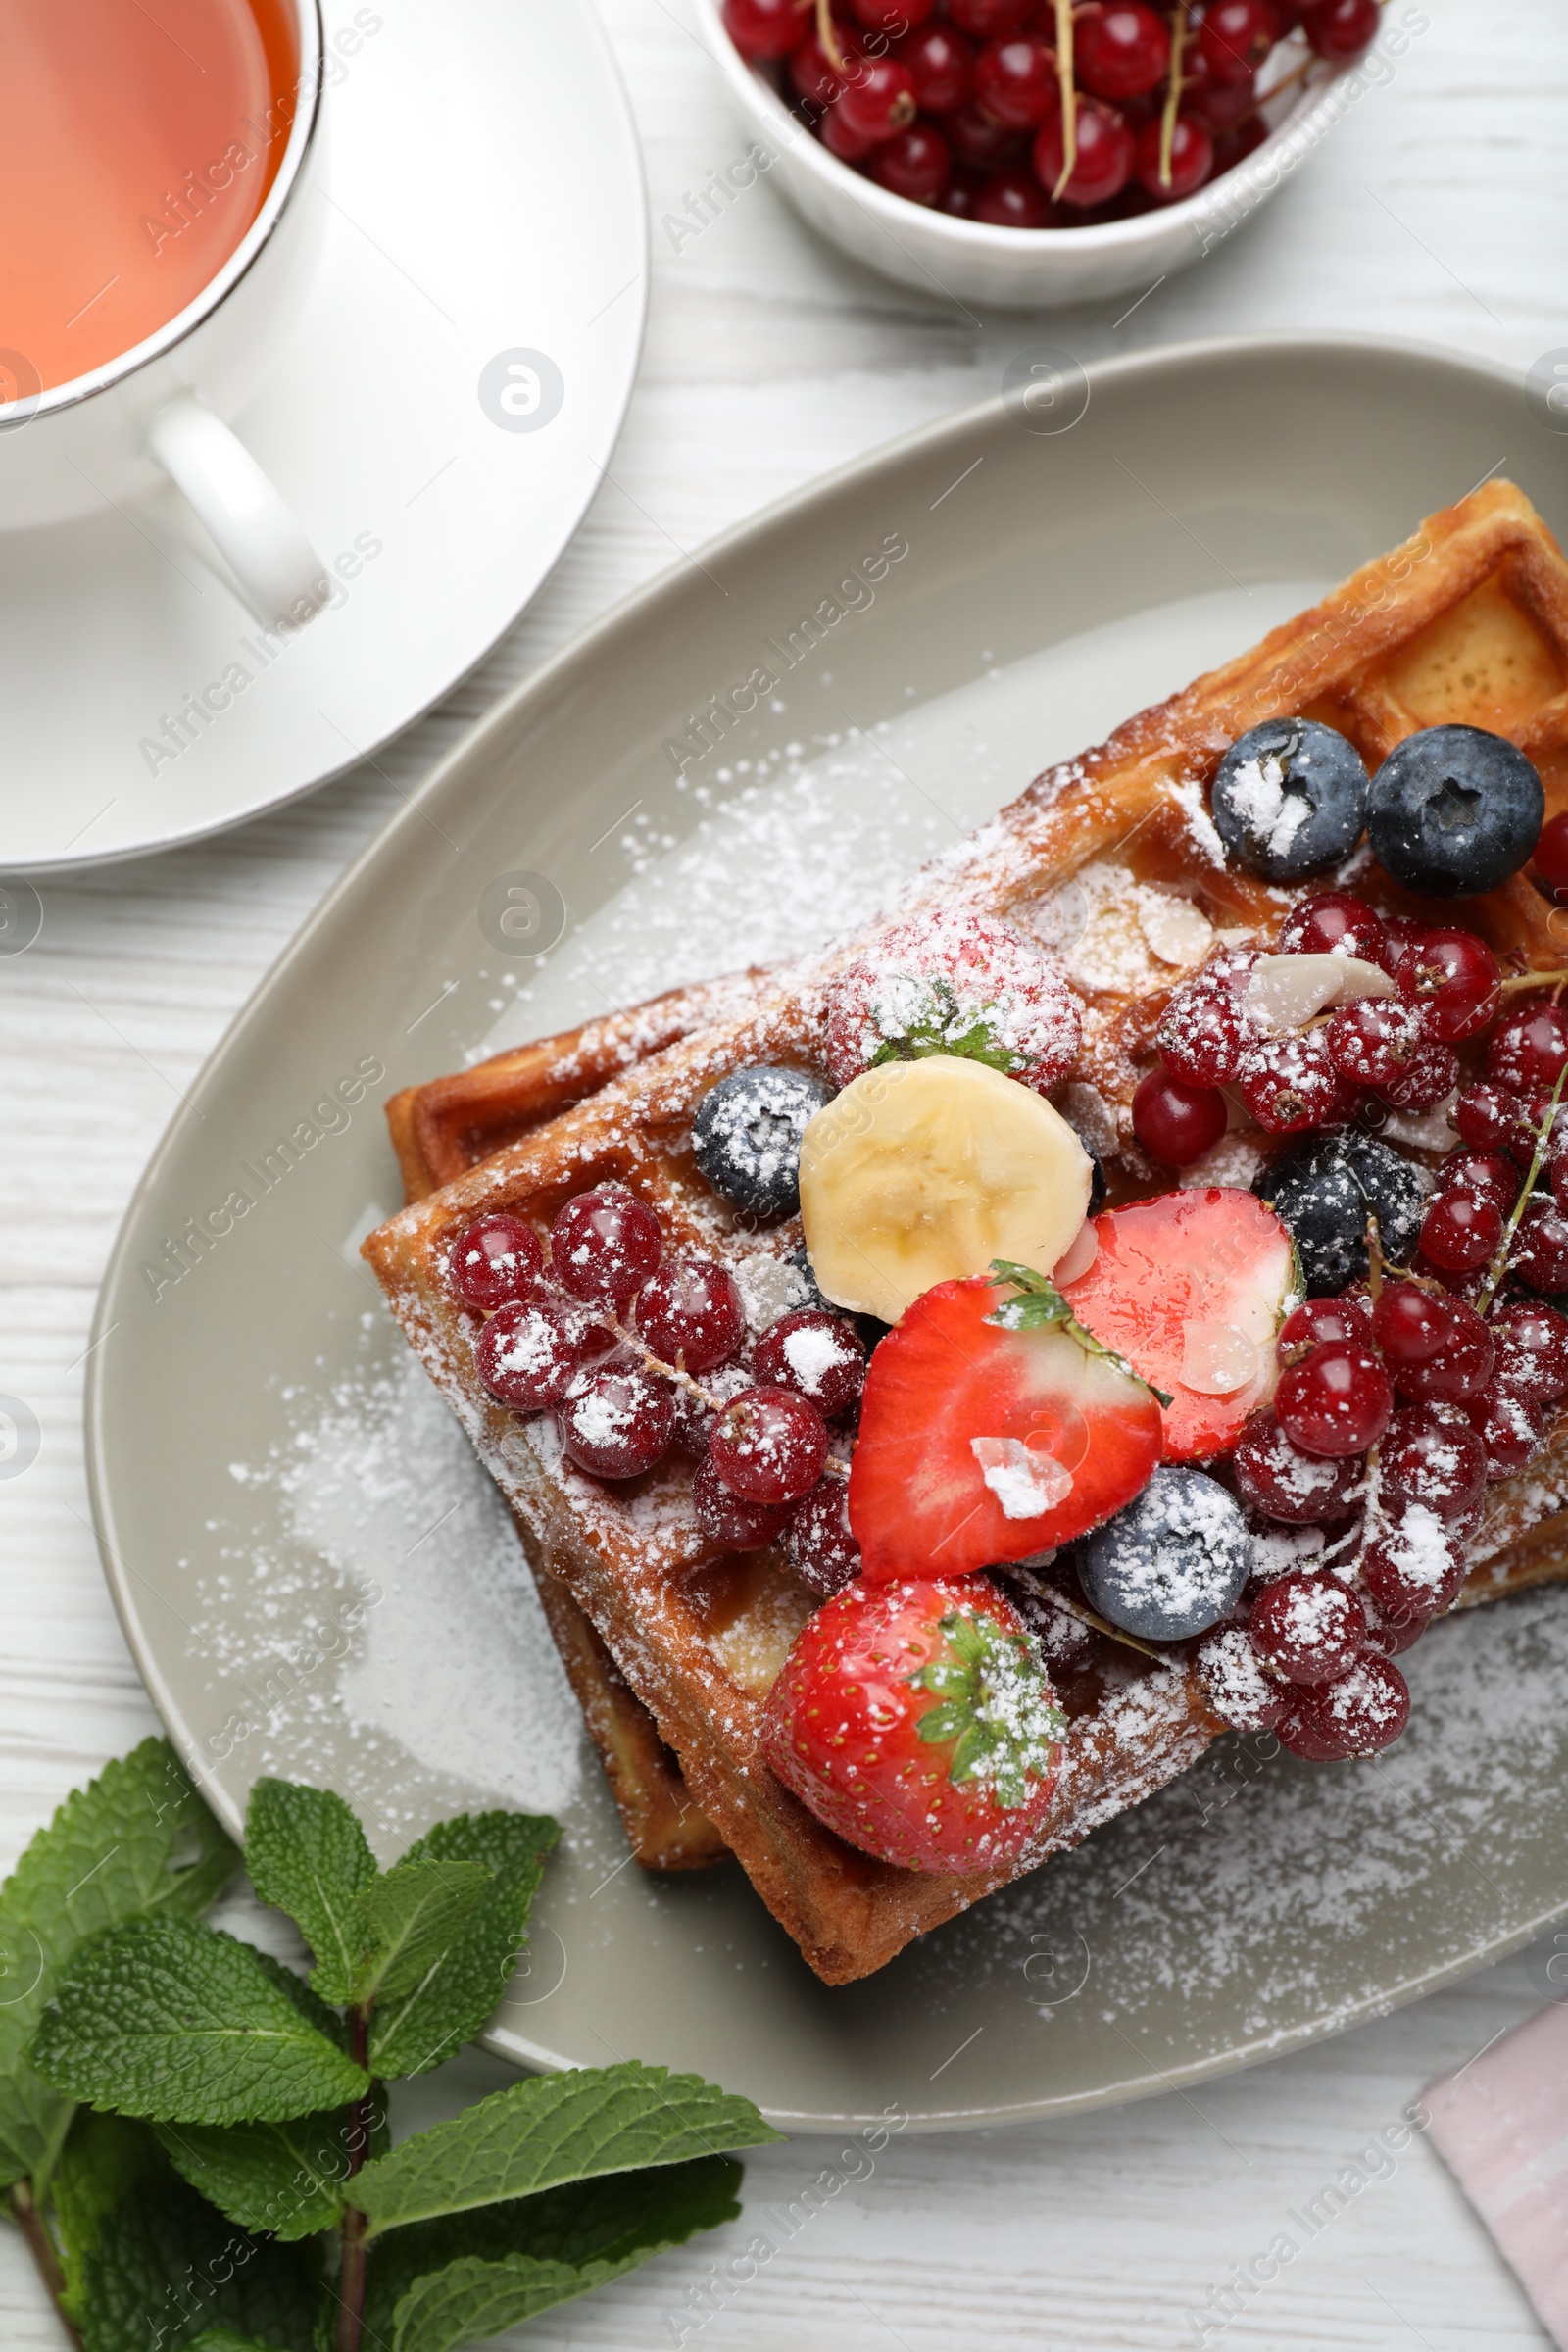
(1018,269)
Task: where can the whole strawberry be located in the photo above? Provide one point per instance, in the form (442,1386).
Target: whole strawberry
(918,1722)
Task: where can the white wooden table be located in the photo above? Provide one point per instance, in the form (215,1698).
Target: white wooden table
(1435,212)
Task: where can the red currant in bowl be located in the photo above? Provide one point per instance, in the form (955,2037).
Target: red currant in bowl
(1236,37)
(763,28)
(1340,29)
(1015,81)
(941,65)
(497,1259)
(1013,200)
(1103,164)
(878,99)
(915,165)
(1121,49)
(1190,164)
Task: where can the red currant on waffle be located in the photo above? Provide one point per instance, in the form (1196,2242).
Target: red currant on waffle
(1409,1325)
(1121,50)
(616,1421)
(689,1313)
(941,65)
(1237,1687)
(693,1426)
(1289,1083)
(1334,922)
(1512,1432)
(1416,1562)
(1528,1048)
(1429,1076)
(764,27)
(1373,1042)
(1206,1029)
(605,1243)
(530,1351)
(825,1554)
(1461,1368)
(820,1356)
(1532,1345)
(1489,1118)
(493,1260)
(1538,1254)
(769,1445)
(1104,164)
(1236,37)
(1339,30)
(1310,1629)
(1325,1322)
(878,99)
(1433,1456)
(1391,1631)
(1175,1123)
(1336,1401)
(1277,1479)
(728,1518)
(1361,1714)
(1552,855)
(1483,1175)
(1015,81)
(1459,1233)
(1453,977)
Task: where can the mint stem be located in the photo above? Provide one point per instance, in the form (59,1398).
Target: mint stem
(352,2268)
(29,2221)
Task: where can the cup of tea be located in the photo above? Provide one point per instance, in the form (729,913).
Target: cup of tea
(154,176)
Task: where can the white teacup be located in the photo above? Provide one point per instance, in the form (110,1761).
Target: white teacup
(161,408)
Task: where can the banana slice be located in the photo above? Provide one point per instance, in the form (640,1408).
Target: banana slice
(924,1171)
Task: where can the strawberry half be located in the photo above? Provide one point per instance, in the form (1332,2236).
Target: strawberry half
(982,1443)
(1192,1289)
(917,1720)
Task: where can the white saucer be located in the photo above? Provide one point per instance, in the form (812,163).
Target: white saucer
(484,191)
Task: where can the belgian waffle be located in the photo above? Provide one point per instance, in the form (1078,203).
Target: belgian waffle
(1468,621)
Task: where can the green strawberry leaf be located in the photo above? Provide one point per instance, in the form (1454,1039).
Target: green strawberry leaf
(1041,1306)
(166,2270)
(169,2020)
(422,2027)
(136,1840)
(287,2179)
(307,1854)
(441,2284)
(935,1029)
(1006,1726)
(410,1918)
(552,2128)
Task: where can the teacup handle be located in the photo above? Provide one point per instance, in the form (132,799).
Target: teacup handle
(250,524)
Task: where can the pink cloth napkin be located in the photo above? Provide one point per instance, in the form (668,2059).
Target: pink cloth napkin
(1500,2124)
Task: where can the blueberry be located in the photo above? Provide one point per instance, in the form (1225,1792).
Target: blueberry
(1454,810)
(1173,1562)
(745,1137)
(1290,799)
(1325,1190)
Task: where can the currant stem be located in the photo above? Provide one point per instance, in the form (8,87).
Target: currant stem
(1101,1625)
(352,2273)
(828,34)
(1499,1264)
(1173,96)
(1532,980)
(41,2246)
(1070,100)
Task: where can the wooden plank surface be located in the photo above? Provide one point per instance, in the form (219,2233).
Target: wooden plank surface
(1435,212)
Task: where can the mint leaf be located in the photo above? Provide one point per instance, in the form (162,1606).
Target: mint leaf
(447,2009)
(443,2284)
(1041,1306)
(224,2339)
(552,2128)
(308,2004)
(410,1918)
(137,1840)
(307,1854)
(171,2021)
(168,2270)
(287,2179)
(104,2158)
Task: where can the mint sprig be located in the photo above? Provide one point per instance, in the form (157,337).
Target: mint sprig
(1041,1306)
(197,2138)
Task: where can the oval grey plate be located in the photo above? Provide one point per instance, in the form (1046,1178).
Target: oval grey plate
(311,1569)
